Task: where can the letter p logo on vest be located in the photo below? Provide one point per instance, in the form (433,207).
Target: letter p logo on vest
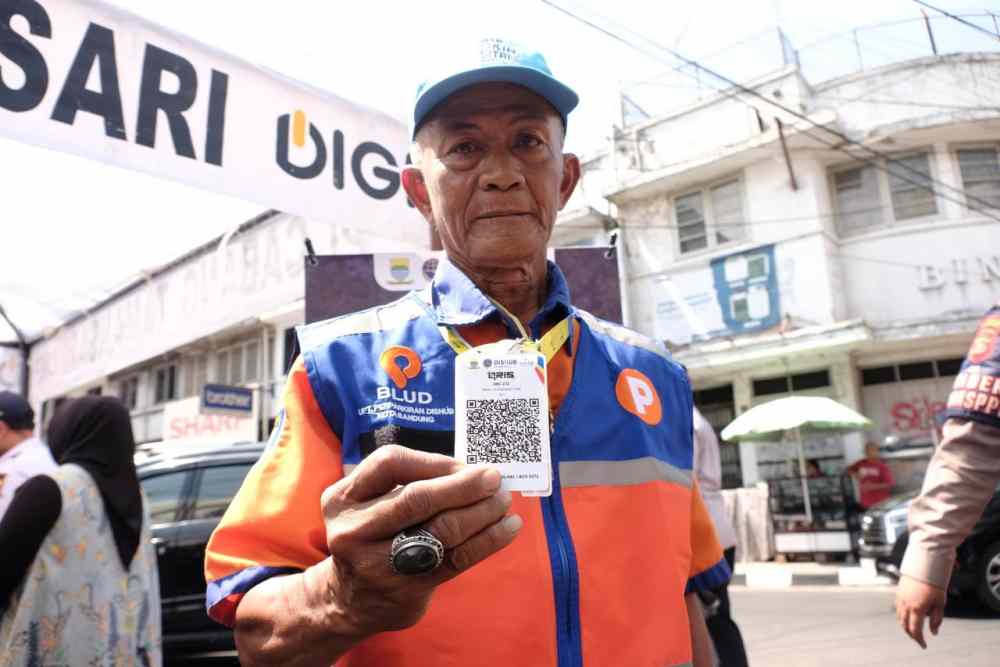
(635,393)
(390,363)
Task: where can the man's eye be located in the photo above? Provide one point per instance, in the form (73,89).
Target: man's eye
(528,141)
(464,148)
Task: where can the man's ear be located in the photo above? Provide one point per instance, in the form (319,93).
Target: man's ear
(416,190)
(570,177)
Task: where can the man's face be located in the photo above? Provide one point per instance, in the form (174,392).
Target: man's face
(6,437)
(871,451)
(492,174)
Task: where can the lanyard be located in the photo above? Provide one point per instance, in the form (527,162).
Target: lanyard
(548,345)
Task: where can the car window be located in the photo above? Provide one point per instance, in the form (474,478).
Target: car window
(218,486)
(165,493)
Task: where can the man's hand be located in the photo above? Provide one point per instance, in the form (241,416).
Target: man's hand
(916,600)
(314,617)
(397,488)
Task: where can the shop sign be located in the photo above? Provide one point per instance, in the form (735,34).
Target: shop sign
(222,398)
(908,409)
(185,419)
(959,271)
(736,294)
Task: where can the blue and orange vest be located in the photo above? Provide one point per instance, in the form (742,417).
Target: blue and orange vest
(598,573)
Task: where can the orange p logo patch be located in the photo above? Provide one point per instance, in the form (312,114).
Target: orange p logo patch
(636,394)
(390,363)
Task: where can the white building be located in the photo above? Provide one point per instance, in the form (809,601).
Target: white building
(223,313)
(775,257)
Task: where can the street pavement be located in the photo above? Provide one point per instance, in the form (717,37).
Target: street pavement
(846,626)
(836,626)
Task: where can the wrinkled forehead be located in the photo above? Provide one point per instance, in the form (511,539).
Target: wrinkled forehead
(488,102)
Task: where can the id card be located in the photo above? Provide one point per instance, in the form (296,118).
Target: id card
(502,414)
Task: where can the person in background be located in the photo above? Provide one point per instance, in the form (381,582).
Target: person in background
(79,584)
(813,470)
(874,477)
(960,480)
(22,456)
(725,633)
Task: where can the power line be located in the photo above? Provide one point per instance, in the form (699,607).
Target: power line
(958,18)
(843,138)
(907,103)
(757,221)
(748,91)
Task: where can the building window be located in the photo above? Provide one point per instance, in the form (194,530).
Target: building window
(916,370)
(949,367)
(858,205)
(980,175)
(165,384)
(251,358)
(128,391)
(867,197)
(789,383)
(240,364)
(235,365)
(710,217)
(195,375)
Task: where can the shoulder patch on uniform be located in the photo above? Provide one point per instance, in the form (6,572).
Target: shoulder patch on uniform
(372,320)
(624,335)
(976,392)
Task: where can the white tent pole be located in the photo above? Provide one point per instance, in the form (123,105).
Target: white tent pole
(802,475)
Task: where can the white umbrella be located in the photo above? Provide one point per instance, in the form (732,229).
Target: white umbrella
(790,417)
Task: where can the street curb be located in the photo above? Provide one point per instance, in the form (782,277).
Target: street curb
(781,578)
(784,579)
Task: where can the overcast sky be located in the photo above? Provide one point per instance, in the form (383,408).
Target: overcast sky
(63,234)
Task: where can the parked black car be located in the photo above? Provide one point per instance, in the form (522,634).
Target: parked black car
(189,486)
(977,568)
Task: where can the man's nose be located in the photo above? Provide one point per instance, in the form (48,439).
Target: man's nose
(500,173)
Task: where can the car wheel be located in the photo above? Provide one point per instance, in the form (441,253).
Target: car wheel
(988,580)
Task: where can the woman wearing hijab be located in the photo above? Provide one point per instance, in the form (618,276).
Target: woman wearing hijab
(79,584)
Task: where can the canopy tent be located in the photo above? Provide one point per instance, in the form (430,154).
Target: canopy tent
(791,418)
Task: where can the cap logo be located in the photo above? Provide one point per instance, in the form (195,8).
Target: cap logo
(498,52)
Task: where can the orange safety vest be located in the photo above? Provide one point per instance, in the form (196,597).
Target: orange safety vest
(598,573)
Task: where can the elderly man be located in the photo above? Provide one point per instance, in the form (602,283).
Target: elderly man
(308,563)
(961,478)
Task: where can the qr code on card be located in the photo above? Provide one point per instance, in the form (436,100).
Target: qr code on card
(503,431)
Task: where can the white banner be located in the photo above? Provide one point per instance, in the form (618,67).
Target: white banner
(10,369)
(88,78)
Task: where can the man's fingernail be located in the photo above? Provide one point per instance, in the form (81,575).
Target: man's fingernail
(505,498)
(491,480)
(513,524)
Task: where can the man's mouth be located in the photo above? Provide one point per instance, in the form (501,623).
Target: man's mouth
(491,215)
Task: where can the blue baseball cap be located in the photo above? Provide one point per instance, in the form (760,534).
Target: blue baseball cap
(16,411)
(498,60)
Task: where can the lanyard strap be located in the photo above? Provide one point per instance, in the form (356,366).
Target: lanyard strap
(549,344)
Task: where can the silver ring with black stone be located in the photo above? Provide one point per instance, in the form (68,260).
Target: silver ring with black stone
(415,551)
